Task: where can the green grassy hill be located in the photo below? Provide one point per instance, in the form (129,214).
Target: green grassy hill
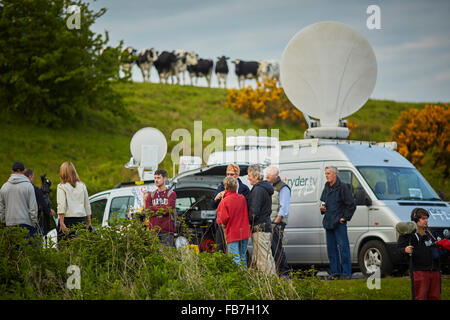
(99,147)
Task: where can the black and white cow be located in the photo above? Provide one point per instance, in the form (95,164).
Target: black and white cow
(246,70)
(203,68)
(165,65)
(269,69)
(184,59)
(145,60)
(127,59)
(222,70)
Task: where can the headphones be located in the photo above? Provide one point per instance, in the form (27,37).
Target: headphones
(415,214)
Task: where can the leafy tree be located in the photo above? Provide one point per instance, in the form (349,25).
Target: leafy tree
(51,71)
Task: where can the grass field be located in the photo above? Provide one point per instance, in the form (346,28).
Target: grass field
(99,145)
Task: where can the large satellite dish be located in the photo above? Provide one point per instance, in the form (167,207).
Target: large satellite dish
(328,71)
(148,148)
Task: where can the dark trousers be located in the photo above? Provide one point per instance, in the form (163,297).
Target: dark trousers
(69,222)
(31,230)
(221,244)
(166,239)
(277,248)
(338,249)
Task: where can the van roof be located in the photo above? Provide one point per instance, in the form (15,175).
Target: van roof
(359,153)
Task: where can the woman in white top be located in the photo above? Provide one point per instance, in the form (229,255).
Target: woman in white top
(72,199)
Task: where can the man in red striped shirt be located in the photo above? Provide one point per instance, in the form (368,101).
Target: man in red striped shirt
(159,205)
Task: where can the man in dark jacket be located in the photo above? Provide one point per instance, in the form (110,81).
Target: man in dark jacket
(232,171)
(425,257)
(259,210)
(44,210)
(338,207)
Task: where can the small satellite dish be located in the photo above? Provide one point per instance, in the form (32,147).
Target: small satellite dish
(328,71)
(148,148)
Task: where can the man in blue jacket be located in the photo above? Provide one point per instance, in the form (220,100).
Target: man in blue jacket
(337,207)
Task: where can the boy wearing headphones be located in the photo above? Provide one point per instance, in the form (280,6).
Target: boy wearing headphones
(425,257)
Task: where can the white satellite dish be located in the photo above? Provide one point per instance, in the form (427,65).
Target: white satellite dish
(328,71)
(148,148)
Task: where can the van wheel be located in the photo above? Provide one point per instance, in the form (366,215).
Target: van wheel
(374,255)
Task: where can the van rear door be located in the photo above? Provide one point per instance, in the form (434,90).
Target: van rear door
(304,222)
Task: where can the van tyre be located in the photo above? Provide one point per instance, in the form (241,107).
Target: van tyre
(372,255)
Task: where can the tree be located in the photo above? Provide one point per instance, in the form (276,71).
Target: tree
(51,73)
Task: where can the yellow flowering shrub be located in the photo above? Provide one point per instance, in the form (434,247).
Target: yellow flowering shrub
(267,101)
(418,132)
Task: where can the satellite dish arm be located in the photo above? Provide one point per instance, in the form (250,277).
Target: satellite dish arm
(308,119)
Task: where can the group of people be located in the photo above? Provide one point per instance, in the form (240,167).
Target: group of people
(22,204)
(260,214)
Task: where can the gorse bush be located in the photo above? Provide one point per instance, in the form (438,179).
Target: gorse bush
(419,132)
(125,261)
(266,103)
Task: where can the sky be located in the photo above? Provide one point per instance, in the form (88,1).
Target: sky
(412,46)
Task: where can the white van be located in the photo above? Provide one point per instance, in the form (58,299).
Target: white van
(386,186)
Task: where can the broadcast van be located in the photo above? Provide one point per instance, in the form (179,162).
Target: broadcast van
(328,72)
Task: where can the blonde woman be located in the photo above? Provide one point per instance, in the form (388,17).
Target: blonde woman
(72,199)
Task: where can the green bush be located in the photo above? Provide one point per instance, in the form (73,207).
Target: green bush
(125,261)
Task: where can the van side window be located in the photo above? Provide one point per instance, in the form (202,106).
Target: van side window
(348,177)
(119,207)
(97,210)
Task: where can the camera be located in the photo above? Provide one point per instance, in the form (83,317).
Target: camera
(46,184)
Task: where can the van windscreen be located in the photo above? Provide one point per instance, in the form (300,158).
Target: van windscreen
(394,183)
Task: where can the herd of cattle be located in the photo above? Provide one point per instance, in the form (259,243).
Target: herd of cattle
(173,65)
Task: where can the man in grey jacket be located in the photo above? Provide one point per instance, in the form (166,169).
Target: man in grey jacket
(18,206)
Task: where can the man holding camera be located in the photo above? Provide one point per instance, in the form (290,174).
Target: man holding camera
(44,210)
(421,247)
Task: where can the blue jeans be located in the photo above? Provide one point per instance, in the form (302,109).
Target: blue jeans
(239,250)
(338,248)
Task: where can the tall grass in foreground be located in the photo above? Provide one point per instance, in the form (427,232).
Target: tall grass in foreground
(124,261)
(127,262)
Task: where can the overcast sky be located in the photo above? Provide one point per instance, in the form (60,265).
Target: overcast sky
(412,47)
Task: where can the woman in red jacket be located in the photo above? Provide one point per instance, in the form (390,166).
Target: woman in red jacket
(232,214)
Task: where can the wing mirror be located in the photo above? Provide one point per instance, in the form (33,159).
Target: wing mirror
(362,198)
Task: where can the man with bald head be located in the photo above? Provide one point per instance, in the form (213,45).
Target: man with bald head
(279,217)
